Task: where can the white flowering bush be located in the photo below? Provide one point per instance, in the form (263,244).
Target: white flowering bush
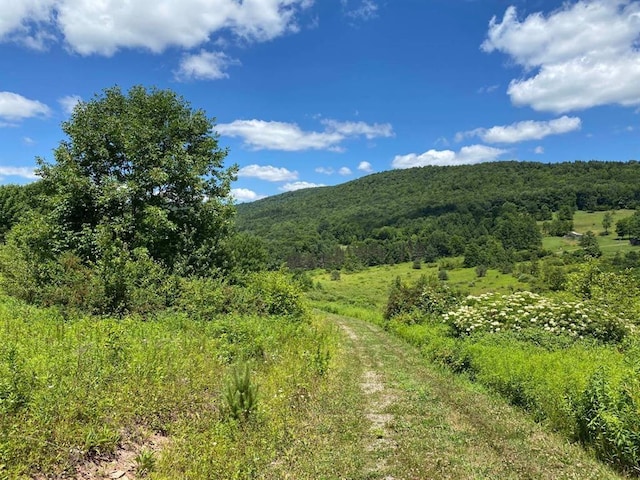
(492,312)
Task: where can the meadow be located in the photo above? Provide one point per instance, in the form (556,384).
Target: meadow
(571,363)
(171,396)
(202,378)
(583,222)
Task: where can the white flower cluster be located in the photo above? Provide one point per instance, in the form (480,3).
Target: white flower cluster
(493,312)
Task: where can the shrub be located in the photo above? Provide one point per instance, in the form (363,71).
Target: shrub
(240,394)
(607,417)
(494,313)
(203,298)
(276,294)
(427,296)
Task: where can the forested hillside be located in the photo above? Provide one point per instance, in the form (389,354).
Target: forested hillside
(431,212)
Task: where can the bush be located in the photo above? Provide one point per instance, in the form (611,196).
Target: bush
(275,294)
(426,296)
(607,417)
(521,310)
(204,298)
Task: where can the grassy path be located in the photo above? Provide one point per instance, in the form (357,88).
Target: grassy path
(391,416)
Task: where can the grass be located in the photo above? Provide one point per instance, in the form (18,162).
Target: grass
(425,422)
(79,390)
(554,379)
(585,221)
(369,288)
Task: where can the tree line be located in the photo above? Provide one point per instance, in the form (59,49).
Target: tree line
(488,211)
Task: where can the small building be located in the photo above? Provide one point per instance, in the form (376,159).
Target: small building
(574,235)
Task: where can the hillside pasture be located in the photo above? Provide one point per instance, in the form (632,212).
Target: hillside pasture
(583,222)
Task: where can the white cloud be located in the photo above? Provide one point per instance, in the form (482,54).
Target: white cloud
(245,195)
(268,173)
(28,141)
(345,171)
(290,187)
(582,55)
(365,167)
(539,150)
(69,102)
(325,170)
(23,172)
(103,27)
(467,155)
(14,107)
(260,134)
(205,66)
(523,131)
(365,10)
(489,88)
(26,21)
(354,129)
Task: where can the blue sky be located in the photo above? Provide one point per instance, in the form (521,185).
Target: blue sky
(309,93)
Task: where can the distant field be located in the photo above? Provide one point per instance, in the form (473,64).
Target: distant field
(370,288)
(585,221)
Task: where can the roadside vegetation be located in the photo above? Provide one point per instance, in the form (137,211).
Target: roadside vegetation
(143,333)
(140,334)
(569,356)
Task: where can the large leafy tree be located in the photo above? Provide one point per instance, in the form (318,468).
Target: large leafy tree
(140,170)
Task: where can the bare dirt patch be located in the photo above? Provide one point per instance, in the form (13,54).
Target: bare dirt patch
(122,466)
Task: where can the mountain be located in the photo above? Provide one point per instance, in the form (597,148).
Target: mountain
(403,206)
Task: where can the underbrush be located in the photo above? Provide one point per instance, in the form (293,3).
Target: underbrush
(75,389)
(571,360)
(586,389)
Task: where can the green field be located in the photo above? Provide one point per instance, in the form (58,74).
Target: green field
(370,288)
(585,221)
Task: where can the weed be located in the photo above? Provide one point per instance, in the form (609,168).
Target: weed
(145,462)
(100,442)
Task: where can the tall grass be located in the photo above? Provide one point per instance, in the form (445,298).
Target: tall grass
(77,389)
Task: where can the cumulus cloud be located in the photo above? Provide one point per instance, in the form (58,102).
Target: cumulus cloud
(109,25)
(582,55)
(264,135)
(345,171)
(245,195)
(205,66)
(290,187)
(69,102)
(467,155)
(14,107)
(539,150)
(268,173)
(365,167)
(523,131)
(325,170)
(23,172)
(260,134)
